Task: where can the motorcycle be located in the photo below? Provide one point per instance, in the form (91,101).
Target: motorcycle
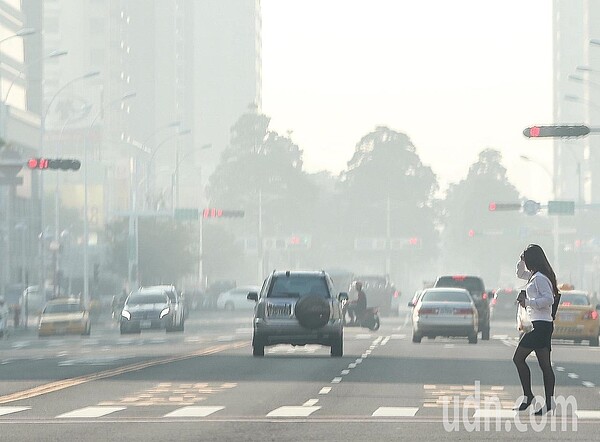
(369,319)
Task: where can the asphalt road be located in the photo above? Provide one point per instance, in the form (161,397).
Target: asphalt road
(204,384)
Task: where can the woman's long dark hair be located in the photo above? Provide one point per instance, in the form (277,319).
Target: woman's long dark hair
(536,261)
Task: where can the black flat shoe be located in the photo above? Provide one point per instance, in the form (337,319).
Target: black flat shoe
(525,405)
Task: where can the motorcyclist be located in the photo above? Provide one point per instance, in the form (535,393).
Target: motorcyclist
(358,306)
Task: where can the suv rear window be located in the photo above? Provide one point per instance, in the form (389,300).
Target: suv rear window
(297,286)
(445,297)
(472,283)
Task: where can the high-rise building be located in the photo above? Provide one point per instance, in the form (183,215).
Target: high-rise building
(195,67)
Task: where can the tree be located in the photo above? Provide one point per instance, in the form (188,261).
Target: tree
(476,240)
(386,180)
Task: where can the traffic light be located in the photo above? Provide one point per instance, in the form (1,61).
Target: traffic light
(565,131)
(298,242)
(221,213)
(471,233)
(53,164)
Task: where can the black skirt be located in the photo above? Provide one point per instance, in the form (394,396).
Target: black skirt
(539,337)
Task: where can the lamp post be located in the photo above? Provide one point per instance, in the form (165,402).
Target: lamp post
(152,156)
(42,277)
(20,33)
(555,227)
(86,234)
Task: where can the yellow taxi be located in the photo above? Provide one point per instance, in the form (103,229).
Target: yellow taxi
(64,316)
(577,318)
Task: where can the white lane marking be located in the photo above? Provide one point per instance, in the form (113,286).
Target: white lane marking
(353,365)
(429,387)
(310,402)
(573,375)
(499,414)
(325,390)
(364,355)
(500,337)
(398,336)
(378,340)
(588,414)
(336,380)
(560,369)
(359,361)
(292,411)
(386,340)
(368,352)
(588,384)
(344,372)
(90,412)
(448,345)
(224,338)
(194,411)
(10,410)
(395,411)
(510,343)
(497,388)
(363,336)
(21,344)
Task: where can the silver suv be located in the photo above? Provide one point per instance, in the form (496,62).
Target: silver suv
(298,308)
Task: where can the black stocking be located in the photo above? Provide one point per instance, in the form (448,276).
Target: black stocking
(519,358)
(543,357)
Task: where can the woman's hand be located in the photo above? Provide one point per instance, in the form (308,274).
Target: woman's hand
(521,299)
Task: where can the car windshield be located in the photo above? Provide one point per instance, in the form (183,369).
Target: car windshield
(572,299)
(63,308)
(435,296)
(147,298)
(473,285)
(297,286)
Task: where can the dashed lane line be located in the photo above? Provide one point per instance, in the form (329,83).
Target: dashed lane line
(194,411)
(90,412)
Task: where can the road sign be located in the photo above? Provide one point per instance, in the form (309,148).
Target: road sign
(561,207)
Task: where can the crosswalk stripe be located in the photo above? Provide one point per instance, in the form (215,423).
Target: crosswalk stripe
(293,411)
(395,412)
(588,414)
(194,411)
(10,410)
(90,412)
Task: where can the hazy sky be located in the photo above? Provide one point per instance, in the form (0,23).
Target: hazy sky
(455,76)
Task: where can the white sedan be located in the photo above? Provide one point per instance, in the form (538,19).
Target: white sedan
(236,298)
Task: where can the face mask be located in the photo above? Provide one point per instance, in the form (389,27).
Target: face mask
(522,272)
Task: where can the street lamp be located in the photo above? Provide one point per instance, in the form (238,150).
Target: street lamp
(20,33)
(595,42)
(86,233)
(152,156)
(91,74)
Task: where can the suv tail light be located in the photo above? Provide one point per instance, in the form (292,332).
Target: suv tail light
(396,293)
(428,311)
(591,315)
(484,295)
(463,311)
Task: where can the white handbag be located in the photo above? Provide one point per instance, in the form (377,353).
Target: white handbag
(524,324)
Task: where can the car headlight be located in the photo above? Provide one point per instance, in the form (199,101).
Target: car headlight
(164,312)
(125,314)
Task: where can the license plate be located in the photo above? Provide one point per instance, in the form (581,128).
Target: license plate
(446,311)
(567,317)
(145,324)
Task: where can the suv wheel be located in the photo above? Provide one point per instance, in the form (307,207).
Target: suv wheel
(258,348)
(337,346)
(416,338)
(473,338)
(485,332)
(312,311)
(595,341)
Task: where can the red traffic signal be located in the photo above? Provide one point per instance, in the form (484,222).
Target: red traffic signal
(221,213)
(558,131)
(53,164)
(494,206)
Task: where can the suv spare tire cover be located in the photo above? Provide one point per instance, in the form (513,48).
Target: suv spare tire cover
(312,311)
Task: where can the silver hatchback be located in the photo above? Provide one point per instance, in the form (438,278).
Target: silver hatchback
(297,308)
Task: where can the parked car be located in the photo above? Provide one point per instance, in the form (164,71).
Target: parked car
(445,312)
(577,318)
(476,288)
(237,298)
(298,308)
(64,316)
